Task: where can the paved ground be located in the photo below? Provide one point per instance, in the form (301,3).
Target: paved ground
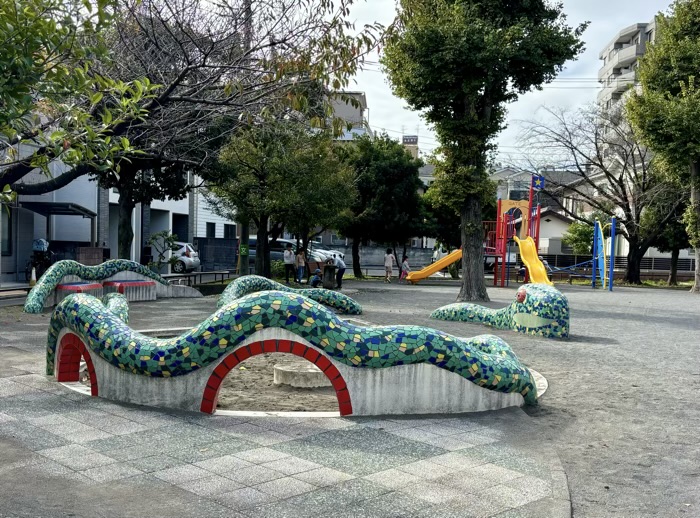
(620,414)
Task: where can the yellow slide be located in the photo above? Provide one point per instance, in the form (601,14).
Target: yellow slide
(535,267)
(426,272)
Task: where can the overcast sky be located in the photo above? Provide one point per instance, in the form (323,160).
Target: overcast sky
(576,85)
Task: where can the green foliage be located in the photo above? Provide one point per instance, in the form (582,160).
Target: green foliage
(387,208)
(442,222)
(50,96)
(277,269)
(162,242)
(281,173)
(460,62)
(666,113)
(579,237)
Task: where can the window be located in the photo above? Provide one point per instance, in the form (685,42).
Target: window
(337,240)
(6,232)
(211,229)
(229,231)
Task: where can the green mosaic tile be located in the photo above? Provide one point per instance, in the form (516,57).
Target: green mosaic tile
(484,360)
(538,309)
(53,276)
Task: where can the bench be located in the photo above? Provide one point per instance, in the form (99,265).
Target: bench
(134,291)
(64,290)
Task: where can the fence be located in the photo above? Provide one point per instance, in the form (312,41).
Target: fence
(648,263)
(216,253)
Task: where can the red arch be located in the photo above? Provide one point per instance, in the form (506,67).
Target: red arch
(211,392)
(70,351)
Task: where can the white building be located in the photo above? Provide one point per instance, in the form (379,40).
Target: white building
(82,214)
(620,59)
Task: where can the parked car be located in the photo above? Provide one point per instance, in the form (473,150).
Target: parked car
(326,251)
(187,258)
(277,251)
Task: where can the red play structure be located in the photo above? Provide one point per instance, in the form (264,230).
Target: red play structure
(498,235)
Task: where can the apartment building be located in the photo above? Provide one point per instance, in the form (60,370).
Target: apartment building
(83,214)
(620,59)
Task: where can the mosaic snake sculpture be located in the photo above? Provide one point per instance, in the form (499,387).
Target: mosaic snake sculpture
(254,283)
(538,309)
(484,360)
(53,276)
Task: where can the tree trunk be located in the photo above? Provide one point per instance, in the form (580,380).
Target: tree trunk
(126,231)
(356,266)
(473,283)
(634,262)
(694,232)
(262,249)
(673,274)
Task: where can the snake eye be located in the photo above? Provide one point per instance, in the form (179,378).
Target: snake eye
(520,296)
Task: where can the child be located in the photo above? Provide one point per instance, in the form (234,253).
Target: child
(389,261)
(300,264)
(405,268)
(316,280)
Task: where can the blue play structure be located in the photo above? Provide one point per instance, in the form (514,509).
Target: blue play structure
(599,272)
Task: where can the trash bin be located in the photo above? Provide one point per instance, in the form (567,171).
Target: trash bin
(329,276)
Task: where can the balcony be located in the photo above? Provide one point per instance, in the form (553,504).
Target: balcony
(624,57)
(618,84)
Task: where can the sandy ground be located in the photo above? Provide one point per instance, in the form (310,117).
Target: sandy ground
(250,386)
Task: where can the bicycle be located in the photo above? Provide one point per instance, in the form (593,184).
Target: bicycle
(39,261)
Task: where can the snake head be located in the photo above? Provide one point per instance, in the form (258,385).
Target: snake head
(541,309)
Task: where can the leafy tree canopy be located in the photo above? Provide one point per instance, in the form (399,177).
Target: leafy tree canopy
(666,112)
(460,62)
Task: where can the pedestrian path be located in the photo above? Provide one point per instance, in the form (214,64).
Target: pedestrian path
(67,453)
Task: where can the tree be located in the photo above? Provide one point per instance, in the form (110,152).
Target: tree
(279,174)
(666,110)
(601,165)
(51,98)
(163,242)
(673,236)
(321,190)
(579,237)
(442,222)
(387,208)
(460,62)
(211,62)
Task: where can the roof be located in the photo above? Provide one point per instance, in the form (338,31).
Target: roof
(360,97)
(56,208)
(549,212)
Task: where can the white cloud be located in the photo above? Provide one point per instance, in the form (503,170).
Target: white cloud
(576,85)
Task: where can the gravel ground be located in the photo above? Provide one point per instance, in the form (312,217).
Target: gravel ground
(621,409)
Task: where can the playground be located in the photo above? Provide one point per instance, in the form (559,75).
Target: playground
(517,229)
(619,416)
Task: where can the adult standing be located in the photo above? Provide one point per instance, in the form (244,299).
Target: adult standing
(389,261)
(300,263)
(340,270)
(288,262)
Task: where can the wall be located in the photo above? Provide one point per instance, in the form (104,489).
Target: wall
(12,268)
(374,256)
(80,191)
(204,215)
(552,227)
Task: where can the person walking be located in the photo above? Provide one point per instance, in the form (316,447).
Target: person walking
(300,264)
(405,268)
(389,261)
(340,267)
(288,262)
